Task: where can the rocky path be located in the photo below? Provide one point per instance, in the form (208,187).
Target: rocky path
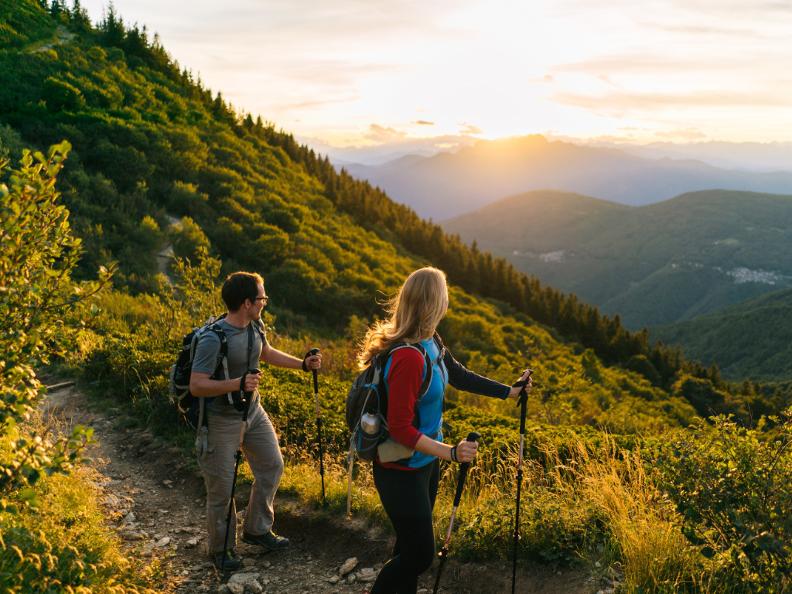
(155,501)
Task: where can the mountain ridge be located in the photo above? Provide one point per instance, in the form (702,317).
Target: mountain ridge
(653,264)
(746,340)
(449,184)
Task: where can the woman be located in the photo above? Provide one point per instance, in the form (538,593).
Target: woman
(408,486)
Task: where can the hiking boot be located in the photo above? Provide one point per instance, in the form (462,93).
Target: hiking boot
(232,561)
(270,540)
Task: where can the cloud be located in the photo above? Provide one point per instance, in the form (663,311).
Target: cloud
(705,30)
(423,123)
(469,129)
(687,134)
(298,105)
(382,134)
(641,64)
(619,102)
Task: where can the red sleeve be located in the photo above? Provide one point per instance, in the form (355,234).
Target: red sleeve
(404,381)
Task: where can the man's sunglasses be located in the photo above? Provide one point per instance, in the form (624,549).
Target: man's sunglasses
(265,299)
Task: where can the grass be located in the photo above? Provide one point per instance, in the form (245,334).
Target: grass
(60,539)
(644,529)
(597,506)
(65,545)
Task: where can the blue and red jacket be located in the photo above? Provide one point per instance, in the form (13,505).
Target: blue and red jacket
(409,416)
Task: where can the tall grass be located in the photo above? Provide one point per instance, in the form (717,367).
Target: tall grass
(596,505)
(642,524)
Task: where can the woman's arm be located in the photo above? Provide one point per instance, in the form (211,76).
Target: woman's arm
(404,382)
(464,451)
(463,379)
(404,379)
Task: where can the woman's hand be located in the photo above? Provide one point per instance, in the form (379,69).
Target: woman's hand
(464,451)
(525,377)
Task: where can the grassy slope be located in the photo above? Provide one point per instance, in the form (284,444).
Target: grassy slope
(652,265)
(750,339)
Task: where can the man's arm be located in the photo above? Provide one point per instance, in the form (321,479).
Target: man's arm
(280,359)
(202,386)
(204,366)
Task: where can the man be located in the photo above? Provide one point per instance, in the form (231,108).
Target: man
(244,295)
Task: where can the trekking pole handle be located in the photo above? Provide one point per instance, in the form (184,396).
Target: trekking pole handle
(244,375)
(246,396)
(472,436)
(311,353)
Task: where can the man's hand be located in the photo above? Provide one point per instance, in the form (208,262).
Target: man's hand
(311,362)
(251,382)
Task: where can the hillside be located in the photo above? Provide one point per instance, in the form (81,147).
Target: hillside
(747,340)
(152,146)
(449,184)
(652,265)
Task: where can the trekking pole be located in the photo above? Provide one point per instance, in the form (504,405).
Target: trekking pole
(311,353)
(248,396)
(522,401)
(443,554)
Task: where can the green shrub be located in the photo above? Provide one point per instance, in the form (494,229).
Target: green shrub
(732,485)
(65,546)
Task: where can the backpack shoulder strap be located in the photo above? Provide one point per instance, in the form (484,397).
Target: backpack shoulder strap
(427,375)
(221,335)
(440,347)
(259,327)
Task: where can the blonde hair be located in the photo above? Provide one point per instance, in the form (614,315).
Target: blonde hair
(414,313)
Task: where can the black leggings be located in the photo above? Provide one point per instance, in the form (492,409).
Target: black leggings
(408,498)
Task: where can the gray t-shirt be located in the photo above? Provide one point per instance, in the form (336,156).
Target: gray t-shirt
(208,349)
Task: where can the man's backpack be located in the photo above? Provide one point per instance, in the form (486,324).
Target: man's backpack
(188,405)
(367,401)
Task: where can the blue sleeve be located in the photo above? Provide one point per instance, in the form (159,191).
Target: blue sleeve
(463,379)
(206,352)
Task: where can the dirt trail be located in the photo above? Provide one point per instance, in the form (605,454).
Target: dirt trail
(155,501)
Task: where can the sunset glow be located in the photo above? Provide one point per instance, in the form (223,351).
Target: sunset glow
(370,72)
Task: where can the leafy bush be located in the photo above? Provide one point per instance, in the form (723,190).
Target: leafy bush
(52,532)
(732,486)
(65,546)
(37,255)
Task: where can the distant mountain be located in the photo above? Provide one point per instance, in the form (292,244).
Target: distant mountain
(652,265)
(377,154)
(749,340)
(751,156)
(449,184)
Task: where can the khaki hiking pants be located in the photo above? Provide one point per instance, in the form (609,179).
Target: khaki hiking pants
(262,453)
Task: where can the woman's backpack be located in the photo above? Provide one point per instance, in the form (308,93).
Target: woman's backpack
(367,402)
(367,407)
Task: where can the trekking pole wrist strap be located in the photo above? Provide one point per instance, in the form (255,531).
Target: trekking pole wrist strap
(242,384)
(454,454)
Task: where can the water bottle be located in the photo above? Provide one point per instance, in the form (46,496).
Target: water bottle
(370,423)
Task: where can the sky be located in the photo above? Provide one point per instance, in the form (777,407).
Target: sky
(374,72)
